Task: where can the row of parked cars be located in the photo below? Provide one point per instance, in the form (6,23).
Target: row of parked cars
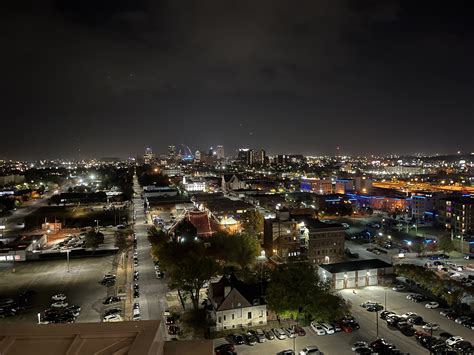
(378,346)
(70,242)
(10,307)
(444,344)
(347,325)
(60,311)
(465,320)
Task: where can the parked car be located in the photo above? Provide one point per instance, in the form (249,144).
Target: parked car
(299,330)
(111,299)
(286,352)
(260,335)
(59,297)
(59,304)
(445,312)
(113,318)
(385,314)
(462,319)
(431,326)
(318,329)
(290,333)
(374,308)
(224,349)
(415,320)
(269,335)
(310,350)
(359,344)
(345,326)
(250,339)
(432,305)
(399,288)
(173,330)
(279,333)
(453,340)
(237,339)
(336,326)
(329,329)
(112,311)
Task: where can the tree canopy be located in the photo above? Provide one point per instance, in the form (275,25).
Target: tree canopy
(252,222)
(295,287)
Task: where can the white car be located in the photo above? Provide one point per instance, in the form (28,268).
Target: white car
(431,326)
(411,295)
(279,333)
(113,318)
(359,344)
(310,350)
(329,329)
(317,328)
(432,305)
(408,314)
(59,297)
(454,340)
(166,313)
(59,304)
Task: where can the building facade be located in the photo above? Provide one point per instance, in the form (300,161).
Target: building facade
(304,239)
(236,305)
(356,274)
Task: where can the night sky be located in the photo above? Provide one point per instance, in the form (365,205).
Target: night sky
(83,78)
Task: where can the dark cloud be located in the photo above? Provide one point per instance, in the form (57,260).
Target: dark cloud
(110,77)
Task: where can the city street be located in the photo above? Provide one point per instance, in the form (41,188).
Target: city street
(152,290)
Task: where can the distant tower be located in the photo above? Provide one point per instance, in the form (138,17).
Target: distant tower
(220,152)
(197,156)
(148,157)
(171,150)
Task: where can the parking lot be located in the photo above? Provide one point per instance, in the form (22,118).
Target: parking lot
(47,278)
(341,343)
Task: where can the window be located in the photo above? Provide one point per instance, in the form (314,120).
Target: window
(224,318)
(220,320)
(232,316)
(249,315)
(261,314)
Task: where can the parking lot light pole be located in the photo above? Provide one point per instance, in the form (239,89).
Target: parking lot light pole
(377,324)
(67,259)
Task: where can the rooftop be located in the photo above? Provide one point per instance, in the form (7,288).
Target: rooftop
(356,265)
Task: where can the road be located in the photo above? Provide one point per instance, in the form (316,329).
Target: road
(152,290)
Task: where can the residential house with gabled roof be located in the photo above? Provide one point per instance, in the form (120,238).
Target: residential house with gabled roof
(236,304)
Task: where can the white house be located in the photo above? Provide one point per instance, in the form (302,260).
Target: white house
(237,305)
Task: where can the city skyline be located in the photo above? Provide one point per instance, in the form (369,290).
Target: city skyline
(384,78)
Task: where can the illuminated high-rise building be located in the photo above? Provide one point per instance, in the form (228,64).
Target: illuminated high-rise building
(148,157)
(220,152)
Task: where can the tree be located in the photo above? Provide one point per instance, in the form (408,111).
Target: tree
(188,266)
(252,222)
(93,239)
(123,240)
(446,244)
(297,287)
(233,249)
(157,237)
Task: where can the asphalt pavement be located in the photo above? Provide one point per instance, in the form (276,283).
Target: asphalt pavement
(152,290)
